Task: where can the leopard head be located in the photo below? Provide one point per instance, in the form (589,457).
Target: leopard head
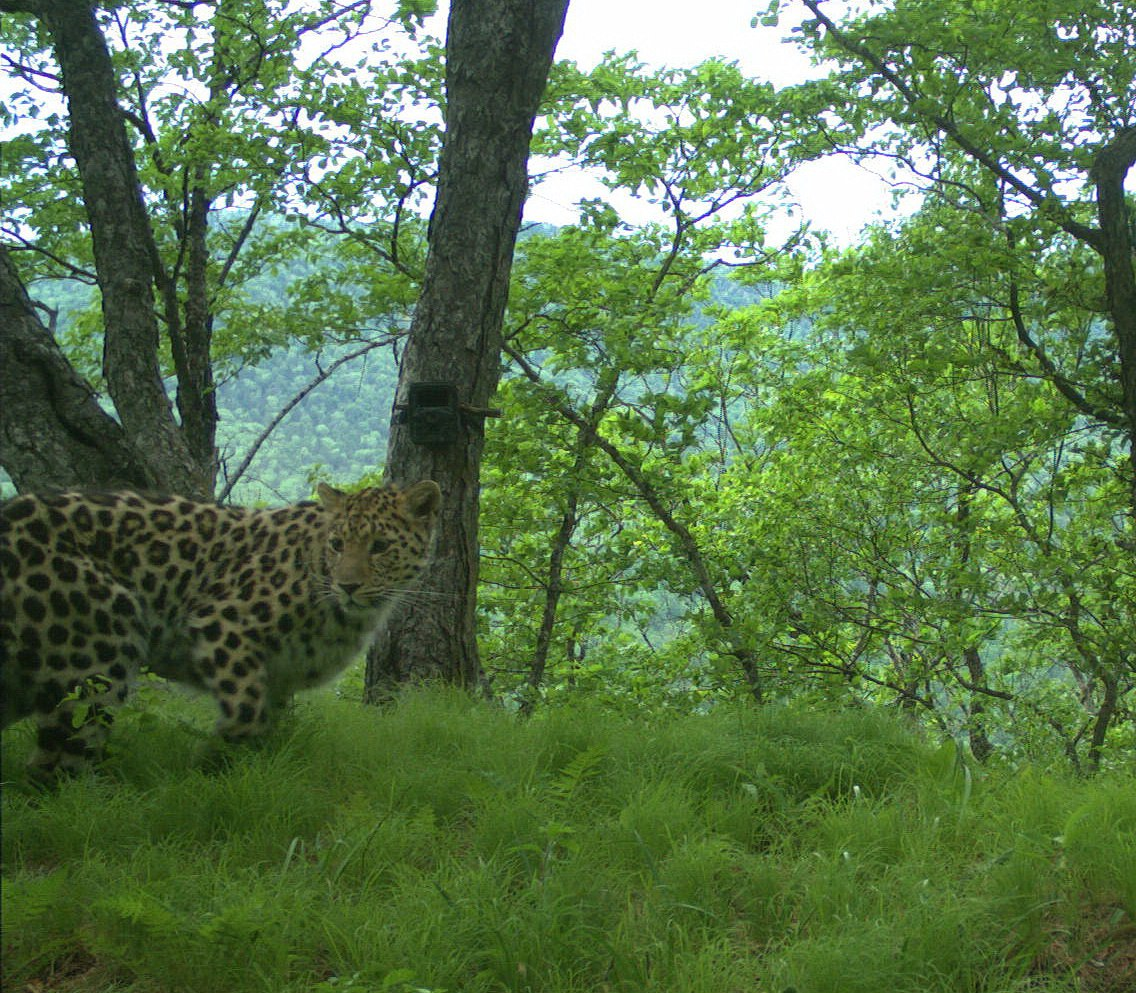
(378,541)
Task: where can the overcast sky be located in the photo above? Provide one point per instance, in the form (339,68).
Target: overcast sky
(677,32)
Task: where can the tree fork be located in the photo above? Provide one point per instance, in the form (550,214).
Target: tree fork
(126,258)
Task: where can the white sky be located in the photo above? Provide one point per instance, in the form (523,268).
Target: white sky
(679,33)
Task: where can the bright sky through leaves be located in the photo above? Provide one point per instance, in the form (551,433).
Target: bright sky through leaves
(835,195)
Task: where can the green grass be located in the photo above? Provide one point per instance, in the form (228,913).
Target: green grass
(442,845)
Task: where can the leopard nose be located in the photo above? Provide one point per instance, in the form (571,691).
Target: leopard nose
(349,588)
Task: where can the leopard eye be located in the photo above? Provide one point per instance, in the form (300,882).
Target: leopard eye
(335,544)
(379,545)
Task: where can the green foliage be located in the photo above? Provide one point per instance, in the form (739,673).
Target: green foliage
(904,477)
(443,845)
(892,510)
(965,372)
(692,141)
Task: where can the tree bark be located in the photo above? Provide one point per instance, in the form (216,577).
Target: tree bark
(498,54)
(1109,171)
(52,429)
(980,745)
(1110,701)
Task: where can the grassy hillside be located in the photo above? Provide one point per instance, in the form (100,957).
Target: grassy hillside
(441,845)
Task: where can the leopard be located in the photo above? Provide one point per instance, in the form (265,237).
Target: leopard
(248,605)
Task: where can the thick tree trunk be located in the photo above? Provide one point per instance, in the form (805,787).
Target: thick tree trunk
(498,53)
(1109,173)
(52,429)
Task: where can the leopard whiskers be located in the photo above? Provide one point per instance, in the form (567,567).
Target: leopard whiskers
(410,596)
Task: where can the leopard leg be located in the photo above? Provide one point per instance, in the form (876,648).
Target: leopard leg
(233,671)
(245,710)
(93,657)
(72,721)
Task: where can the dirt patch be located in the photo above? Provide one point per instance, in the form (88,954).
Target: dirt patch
(1099,950)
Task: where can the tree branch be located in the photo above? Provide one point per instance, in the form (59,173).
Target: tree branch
(686,542)
(284,411)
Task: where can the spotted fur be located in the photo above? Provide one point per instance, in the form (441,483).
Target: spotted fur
(248,605)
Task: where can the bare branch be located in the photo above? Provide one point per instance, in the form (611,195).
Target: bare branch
(284,411)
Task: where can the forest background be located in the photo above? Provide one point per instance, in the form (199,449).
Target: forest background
(734,461)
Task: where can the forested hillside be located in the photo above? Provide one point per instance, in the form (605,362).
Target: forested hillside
(337,428)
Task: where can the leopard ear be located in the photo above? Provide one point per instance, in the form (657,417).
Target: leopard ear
(423,499)
(330,497)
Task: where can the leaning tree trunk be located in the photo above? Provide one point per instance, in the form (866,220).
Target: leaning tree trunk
(498,54)
(52,429)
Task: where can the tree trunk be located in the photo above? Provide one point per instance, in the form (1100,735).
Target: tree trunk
(1110,700)
(52,429)
(1109,172)
(980,745)
(498,53)
(125,255)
